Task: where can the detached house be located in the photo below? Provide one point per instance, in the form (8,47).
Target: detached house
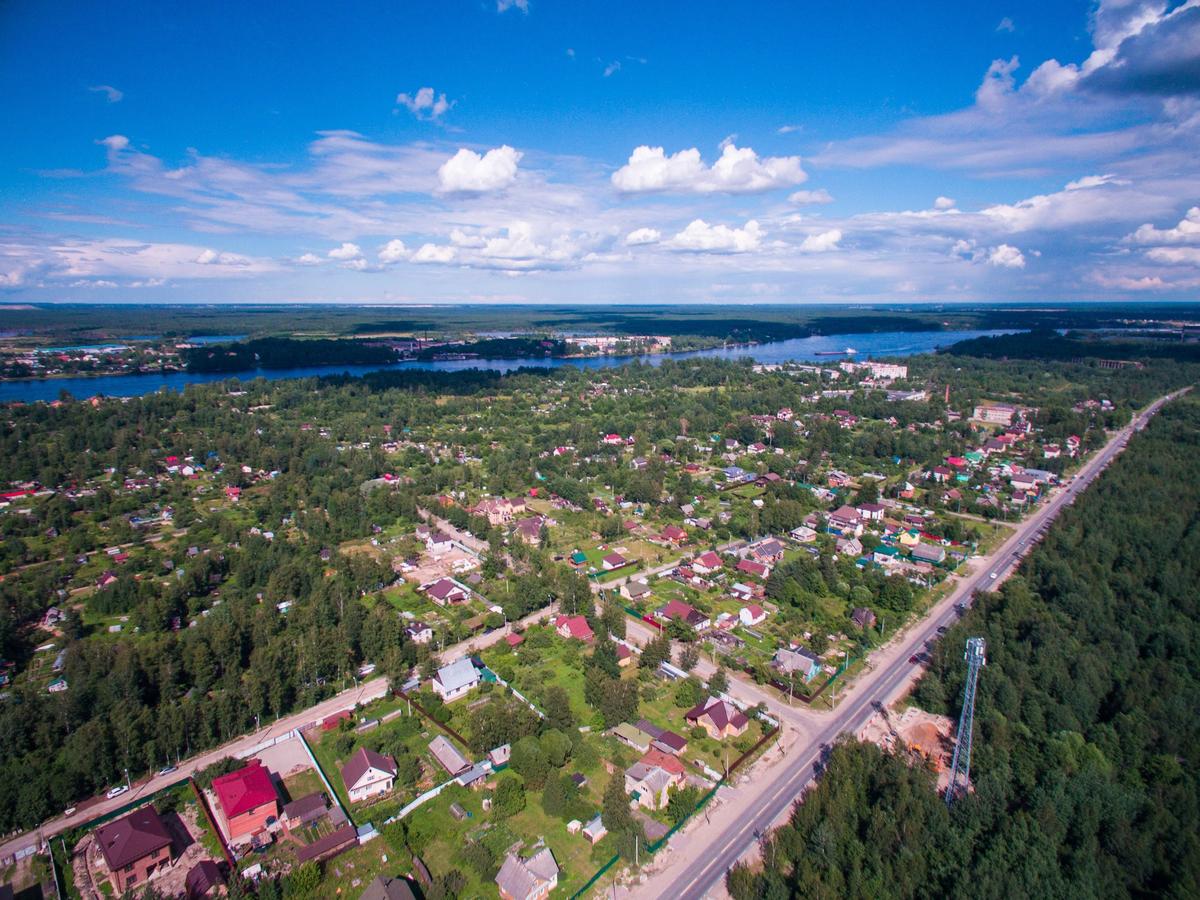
(750,567)
(635,590)
(930,553)
(872,512)
(801,661)
(752,614)
(418,633)
(368,774)
(650,785)
(706,563)
(456,679)
(613,561)
(719,718)
(845,519)
(769,551)
(863,617)
(448,756)
(134,847)
(684,612)
(575,627)
(247,801)
(528,879)
(438,542)
(674,535)
(447,592)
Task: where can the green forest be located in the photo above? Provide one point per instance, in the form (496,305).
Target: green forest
(285,353)
(1087,741)
(307,454)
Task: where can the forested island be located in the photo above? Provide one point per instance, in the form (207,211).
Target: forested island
(285,353)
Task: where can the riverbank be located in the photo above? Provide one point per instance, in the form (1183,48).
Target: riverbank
(810,349)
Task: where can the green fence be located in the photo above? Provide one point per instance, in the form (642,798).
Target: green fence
(650,848)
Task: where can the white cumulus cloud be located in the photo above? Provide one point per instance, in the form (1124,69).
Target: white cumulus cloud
(737,171)
(433,253)
(345,252)
(393,251)
(114,142)
(820,243)
(701,237)
(468,172)
(1187,231)
(425,104)
(1006,256)
(1175,256)
(308,259)
(643,236)
(943,203)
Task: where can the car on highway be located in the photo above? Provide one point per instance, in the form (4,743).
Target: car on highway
(993,576)
(915,658)
(117,791)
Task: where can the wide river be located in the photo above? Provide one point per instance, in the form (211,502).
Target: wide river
(886,343)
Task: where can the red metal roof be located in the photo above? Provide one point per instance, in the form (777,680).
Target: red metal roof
(246,789)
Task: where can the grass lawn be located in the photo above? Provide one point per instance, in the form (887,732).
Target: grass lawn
(415,735)
(544,659)
(572,852)
(660,708)
(302,784)
(404,597)
(349,873)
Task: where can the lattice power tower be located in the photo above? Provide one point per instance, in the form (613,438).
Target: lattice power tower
(960,769)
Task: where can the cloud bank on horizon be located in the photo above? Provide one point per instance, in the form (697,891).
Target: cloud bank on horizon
(538,172)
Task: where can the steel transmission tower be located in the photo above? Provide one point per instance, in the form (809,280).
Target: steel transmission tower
(960,768)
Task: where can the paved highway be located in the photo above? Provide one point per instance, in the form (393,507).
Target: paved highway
(714,856)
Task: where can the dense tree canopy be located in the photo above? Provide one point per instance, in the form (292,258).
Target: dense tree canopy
(1087,747)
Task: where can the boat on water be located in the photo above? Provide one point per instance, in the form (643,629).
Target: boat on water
(849,351)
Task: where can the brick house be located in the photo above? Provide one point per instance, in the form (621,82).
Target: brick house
(134,847)
(247,802)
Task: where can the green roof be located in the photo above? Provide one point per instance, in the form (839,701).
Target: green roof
(632,733)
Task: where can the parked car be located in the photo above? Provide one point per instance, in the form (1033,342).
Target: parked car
(166,770)
(117,791)
(914,659)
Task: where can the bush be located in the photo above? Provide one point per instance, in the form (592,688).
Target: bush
(509,798)
(204,778)
(302,881)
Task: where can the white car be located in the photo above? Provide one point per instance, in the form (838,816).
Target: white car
(993,576)
(167,770)
(117,791)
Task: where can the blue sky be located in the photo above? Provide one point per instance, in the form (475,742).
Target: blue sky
(624,152)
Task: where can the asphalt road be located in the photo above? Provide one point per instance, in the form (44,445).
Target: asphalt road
(363,693)
(875,687)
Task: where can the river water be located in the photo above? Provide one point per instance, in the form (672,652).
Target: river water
(886,343)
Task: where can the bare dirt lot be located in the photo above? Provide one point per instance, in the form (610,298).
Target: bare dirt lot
(453,564)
